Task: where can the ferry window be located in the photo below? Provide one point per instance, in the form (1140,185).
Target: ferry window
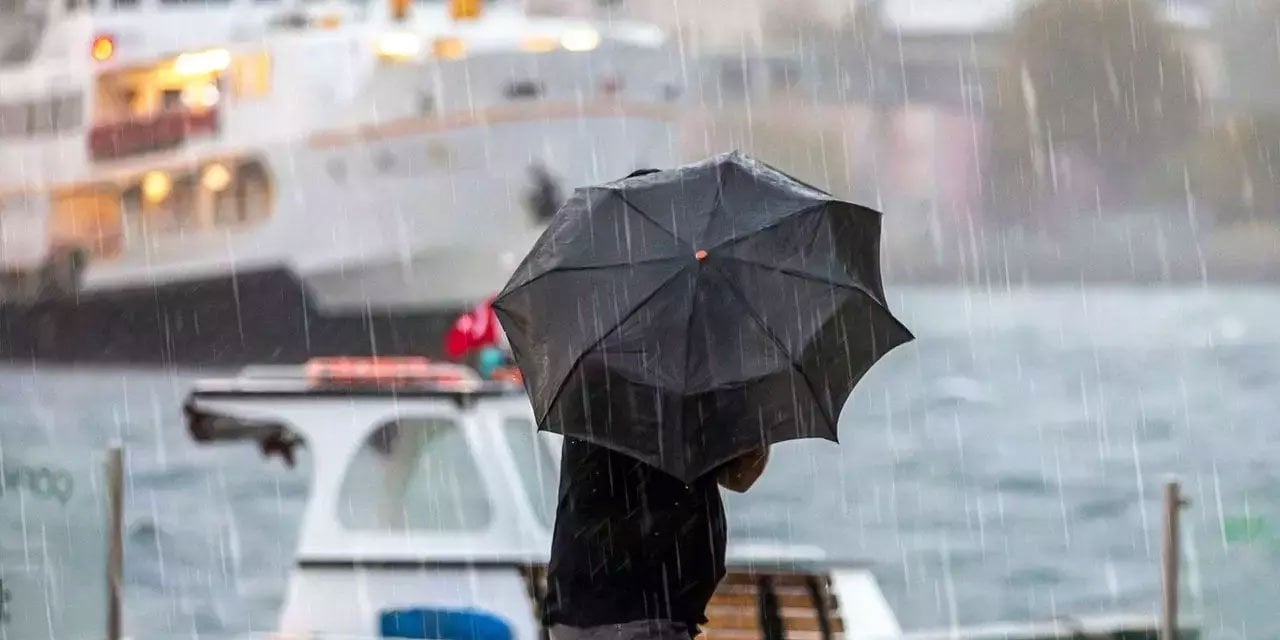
(132,228)
(253,192)
(415,474)
(88,219)
(14,120)
(41,117)
(251,75)
(68,112)
(214,196)
(180,212)
(224,201)
(539,472)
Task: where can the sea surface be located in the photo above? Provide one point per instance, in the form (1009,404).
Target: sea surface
(1006,466)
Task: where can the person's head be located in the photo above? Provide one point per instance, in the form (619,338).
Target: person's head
(490,360)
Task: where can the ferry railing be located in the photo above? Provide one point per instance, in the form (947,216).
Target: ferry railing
(164,130)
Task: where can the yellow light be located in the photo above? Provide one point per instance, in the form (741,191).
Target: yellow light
(202,62)
(450,48)
(103,48)
(156,186)
(466,9)
(584,39)
(216,177)
(540,44)
(330,21)
(400,45)
(201,96)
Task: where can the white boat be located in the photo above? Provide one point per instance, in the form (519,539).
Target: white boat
(248,180)
(432,500)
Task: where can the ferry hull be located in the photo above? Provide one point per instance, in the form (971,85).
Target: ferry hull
(268,315)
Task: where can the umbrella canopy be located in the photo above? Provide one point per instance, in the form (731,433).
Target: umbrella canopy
(686,317)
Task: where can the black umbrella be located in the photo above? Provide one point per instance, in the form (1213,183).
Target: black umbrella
(686,317)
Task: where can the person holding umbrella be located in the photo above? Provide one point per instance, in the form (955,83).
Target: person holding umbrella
(673,326)
(478,331)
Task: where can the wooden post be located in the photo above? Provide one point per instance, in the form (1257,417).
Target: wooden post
(115,542)
(1171,558)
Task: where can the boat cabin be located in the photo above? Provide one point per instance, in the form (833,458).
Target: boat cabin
(432,504)
(433,498)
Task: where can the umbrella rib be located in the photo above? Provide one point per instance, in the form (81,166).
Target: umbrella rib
(588,267)
(715,207)
(596,343)
(801,275)
(647,217)
(776,223)
(688,340)
(755,317)
(804,275)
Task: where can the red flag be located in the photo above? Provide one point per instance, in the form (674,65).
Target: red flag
(472,330)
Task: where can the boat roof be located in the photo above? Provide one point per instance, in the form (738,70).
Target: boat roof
(242,388)
(373,377)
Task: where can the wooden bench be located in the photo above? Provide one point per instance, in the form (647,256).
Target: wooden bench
(752,606)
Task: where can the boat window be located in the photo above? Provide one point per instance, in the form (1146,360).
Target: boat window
(41,121)
(68,112)
(415,474)
(88,220)
(253,193)
(539,473)
(14,120)
(40,117)
(216,196)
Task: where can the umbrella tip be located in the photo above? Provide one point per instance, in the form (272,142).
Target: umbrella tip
(700,255)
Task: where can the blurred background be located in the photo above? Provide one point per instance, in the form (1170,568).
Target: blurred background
(1082,226)
(1010,140)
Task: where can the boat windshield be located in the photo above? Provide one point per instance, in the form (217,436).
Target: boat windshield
(539,471)
(415,474)
(22,26)
(420,475)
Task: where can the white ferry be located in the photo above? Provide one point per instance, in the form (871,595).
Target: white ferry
(230,181)
(432,500)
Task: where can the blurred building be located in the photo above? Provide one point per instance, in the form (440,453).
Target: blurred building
(708,26)
(1249,31)
(891,95)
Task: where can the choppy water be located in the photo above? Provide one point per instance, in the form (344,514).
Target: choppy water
(1006,466)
